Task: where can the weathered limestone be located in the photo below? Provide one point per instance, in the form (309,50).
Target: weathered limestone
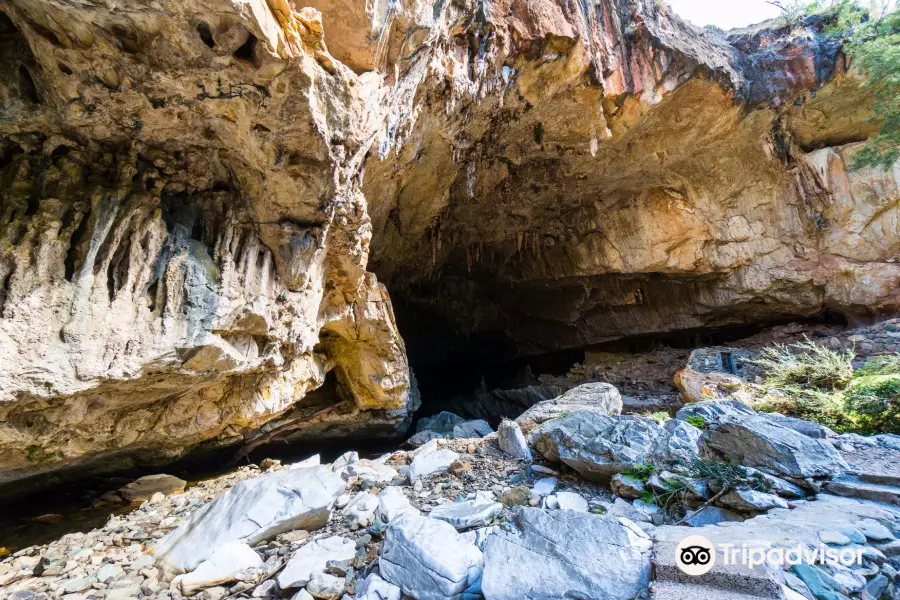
(183,248)
(252,511)
(571,553)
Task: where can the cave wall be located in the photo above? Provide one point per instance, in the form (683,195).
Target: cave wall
(183,242)
(196,197)
(559,174)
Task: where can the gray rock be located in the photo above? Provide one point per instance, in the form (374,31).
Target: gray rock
(468,514)
(626,486)
(807,428)
(423,437)
(751,500)
(374,587)
(713,410)
(684,445)
(443,422)
(566,554)
(143,488)
(313,558)
(231,561)
(430,459)
(73,586)
(712,515)
(544,487)
(252,511)
(777,485)
(477,428)
(512,441)
(599,446)
(877,586)
(429,560)
(756,441)
(600,398)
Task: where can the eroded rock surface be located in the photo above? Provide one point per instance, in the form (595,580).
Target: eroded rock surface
(187,188)
(183,239)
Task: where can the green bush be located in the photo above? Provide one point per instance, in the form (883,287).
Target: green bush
(875,400)
(879,365)
(641,471)
(697,421)
(825,408)
(806,365)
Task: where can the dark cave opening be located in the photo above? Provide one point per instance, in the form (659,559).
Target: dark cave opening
(452,368)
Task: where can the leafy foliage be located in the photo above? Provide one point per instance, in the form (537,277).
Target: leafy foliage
(879,365)
(826,408)
(806,365)
(875,400)
(697,421)
(641,471)
(871,35)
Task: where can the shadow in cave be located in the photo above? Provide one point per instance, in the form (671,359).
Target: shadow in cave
(475,377)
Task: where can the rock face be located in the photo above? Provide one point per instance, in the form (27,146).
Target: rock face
(558,174)
(191,189)
(756,441)
(429,560)
(183,238)
(599,446)
(252,511)
(566,554)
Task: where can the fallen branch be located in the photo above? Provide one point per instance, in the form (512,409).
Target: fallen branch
(706,505)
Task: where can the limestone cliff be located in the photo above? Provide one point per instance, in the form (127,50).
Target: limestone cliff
(189,190)
(556,174)
(184,242)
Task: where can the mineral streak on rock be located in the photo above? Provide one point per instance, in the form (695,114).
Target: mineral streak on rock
(187,187)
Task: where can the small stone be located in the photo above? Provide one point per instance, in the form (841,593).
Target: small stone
(265,589)
(78,585)
(460,466)
(213,593)
(326,587)
(302,595)
(835,538)
(291,537)
(518,496)
(571,501)
(544,487)
(268,463)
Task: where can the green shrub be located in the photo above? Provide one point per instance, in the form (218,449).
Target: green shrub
(875,400)
(806,365)
(641,471)
(697,421)
(879,365)
(660,417)
(825,408)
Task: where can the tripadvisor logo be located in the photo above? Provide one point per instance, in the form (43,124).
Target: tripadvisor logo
(695,555)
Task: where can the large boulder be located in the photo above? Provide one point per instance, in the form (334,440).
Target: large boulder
(143,488)
(429,560)
(599,446)
(601,398)
(252,511)
(443,422)
(229,562)
(757,441)
(700,387)
(711,410)
(566,554)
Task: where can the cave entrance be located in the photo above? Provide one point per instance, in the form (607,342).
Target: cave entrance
(476,377)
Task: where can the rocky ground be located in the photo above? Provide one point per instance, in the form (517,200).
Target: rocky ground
(580,507)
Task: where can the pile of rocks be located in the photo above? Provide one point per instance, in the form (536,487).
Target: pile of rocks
(568,510)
